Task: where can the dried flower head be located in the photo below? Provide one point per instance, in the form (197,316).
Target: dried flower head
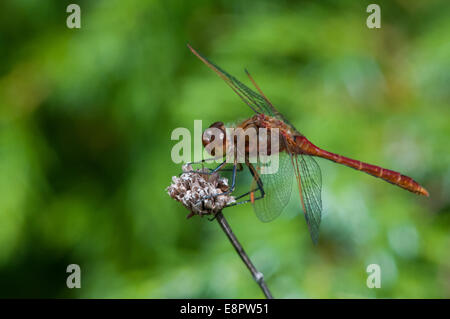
(191,188)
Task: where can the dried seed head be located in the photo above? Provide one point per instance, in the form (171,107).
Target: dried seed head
(191,187)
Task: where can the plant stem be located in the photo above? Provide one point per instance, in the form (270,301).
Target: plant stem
(257,275)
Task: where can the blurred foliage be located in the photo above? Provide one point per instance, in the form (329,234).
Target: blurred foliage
(86,117)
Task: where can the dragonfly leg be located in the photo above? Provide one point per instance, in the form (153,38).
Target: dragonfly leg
(219,167)
(245,194)
(239,168)
(260,188)
(211,171)
(230,190)
(238,203)
(204,160)
(257,179)
(244,201)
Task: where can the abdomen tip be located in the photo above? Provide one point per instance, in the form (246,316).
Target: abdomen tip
(423,191)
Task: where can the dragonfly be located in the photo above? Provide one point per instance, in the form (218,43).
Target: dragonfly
(296,157)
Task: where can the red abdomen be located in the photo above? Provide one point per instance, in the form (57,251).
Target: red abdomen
(306,147)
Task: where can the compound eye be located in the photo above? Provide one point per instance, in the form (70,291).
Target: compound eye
(218,125)
(215,132)
(207,137)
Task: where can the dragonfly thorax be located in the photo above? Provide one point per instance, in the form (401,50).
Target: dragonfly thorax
(252,138)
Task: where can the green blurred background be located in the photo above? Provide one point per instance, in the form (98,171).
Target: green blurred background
(86,117)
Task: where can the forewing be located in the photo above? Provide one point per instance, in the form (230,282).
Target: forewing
(277,187)
(257,102)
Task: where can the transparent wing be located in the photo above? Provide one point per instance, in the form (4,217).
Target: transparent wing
(309,178)
(277,187)
(257,102)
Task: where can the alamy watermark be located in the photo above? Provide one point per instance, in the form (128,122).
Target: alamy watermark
(74,279)
(374,19)
(374,278)
(74,18)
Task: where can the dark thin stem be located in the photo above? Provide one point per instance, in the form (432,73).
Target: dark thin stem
(258,276)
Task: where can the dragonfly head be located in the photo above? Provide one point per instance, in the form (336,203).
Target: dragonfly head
(214,137)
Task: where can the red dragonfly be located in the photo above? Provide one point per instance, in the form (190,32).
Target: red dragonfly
(296,157)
